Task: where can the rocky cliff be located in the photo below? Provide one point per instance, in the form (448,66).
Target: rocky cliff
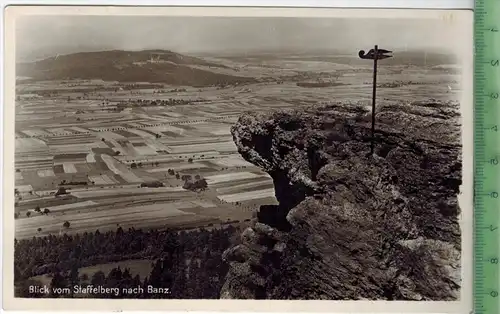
(349,225)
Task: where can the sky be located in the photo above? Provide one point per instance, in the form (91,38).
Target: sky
(45,36)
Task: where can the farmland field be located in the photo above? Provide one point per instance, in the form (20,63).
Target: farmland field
(89,155)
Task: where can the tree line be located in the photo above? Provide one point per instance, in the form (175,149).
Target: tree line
(187,264)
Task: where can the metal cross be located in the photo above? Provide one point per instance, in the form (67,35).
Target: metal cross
(374,54)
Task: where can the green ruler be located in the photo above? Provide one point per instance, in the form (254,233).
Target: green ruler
(487,157)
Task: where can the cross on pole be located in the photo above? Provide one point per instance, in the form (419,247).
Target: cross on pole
(374,54)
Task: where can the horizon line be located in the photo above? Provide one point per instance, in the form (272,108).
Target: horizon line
(228,53)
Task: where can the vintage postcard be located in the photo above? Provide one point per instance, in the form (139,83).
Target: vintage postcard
(238,159)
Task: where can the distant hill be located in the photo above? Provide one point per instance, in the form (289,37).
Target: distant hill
(413,57)
(155,66)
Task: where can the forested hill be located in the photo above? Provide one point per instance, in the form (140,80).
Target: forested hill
(155,66)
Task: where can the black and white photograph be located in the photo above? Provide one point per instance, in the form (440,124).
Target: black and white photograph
(257,157)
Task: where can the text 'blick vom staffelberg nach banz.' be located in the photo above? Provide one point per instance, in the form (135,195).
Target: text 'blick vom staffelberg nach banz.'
(97,290)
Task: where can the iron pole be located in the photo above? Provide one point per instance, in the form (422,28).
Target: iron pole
(373,96)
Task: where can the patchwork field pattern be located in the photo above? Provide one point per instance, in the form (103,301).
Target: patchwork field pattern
(88,157)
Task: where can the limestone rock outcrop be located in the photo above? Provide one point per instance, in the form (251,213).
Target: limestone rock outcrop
(349,225)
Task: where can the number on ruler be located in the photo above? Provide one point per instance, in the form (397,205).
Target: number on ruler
(494,195)
(493,228)
(494,293)
(494,95)
(494,161)
(494,260)
(494,128)
(494,63)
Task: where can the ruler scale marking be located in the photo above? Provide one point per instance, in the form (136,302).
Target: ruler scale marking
(486,166)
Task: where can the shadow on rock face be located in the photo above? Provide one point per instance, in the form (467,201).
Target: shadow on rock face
(349,225)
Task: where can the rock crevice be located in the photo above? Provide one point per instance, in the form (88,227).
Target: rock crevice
(349,225)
